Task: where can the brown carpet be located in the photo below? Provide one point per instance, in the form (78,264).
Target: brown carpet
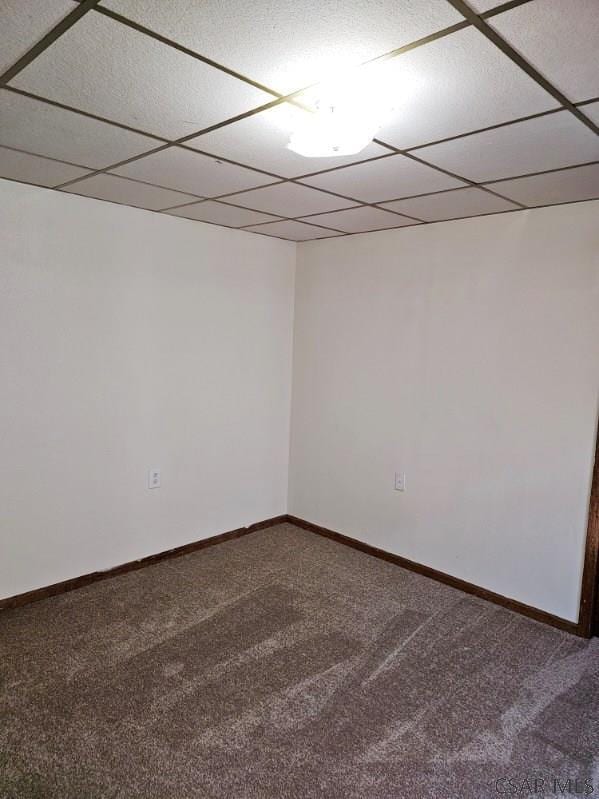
(286,665)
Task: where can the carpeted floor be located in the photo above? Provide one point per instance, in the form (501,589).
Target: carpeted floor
(286,665)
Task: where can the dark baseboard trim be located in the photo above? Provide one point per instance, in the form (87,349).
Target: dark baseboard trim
(441,577)
(37,594)
(94,577)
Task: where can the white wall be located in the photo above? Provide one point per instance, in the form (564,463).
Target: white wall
(130,340)
(467,354)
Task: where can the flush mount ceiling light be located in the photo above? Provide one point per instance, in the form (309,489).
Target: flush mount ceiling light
(343,113)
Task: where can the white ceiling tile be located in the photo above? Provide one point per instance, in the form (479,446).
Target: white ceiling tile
(221,214)
(384,179)
(24,23)
(456,84)
(288,45)
(261,141)
(176,168)
(548,142)
(452,205)
(108,69)
(591,111)
(46,130)
(358,220)
(568,185)
(480,6)
(296,231)
(560,38)
(34,169)
(288,199)
(127,192)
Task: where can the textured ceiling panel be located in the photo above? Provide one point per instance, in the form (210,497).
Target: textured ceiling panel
(108,69)
(34,169)
(261,141)
(566,186)
(127,192)
(452,205)
(591,111)
(296,231)
(24,22)
(46,130)
(140,75)
(358,220)
(457,84)
(221,214)
(289,199)
(560,38)
(176,168)
(548,142)
(480,6)
(287,45)
(384,179)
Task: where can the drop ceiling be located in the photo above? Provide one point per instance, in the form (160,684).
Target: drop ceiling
(185,108)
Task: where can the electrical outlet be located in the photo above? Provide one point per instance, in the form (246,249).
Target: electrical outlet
(154,478)
(400,481)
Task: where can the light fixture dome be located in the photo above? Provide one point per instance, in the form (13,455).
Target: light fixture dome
(343,115)
(332,131)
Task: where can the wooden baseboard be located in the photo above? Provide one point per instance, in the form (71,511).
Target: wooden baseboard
(441,577)
(426,571)
(94,577)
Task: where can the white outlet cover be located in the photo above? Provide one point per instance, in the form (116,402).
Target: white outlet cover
(400,481)
(154,478)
